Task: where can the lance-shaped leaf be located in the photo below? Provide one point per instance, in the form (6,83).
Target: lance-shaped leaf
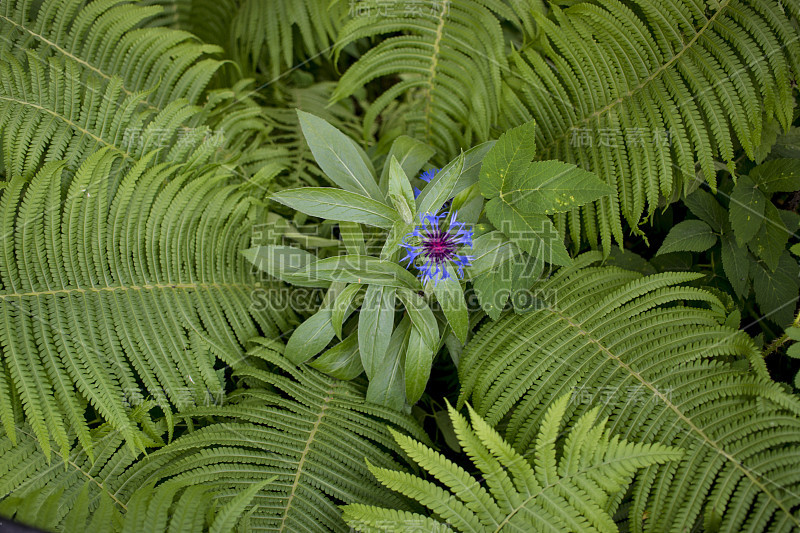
(339,157)
(310,337)
(360,269)
(442,187)
(400,192)
(375,323)
(342,361)
(387,385)
(283,262)
(337,204)
(450,296)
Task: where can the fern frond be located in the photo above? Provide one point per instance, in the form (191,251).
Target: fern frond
(449,58)
(552,490)
(308,432)
(116,288)
(48,112)
(653,356)
(641,92)
(106,40)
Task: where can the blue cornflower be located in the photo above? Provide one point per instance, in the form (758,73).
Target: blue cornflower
(426,176)
(436,245)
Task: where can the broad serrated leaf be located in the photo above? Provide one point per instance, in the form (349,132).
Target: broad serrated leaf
(736,263)
(770,240)
(532,232)
(746,212)
(776,291)
(688,236)
(777,175)
(705,206)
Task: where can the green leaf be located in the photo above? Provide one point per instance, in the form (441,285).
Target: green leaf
(310,337)
(450,296)
(532,232)
(283,262)
(794,350)
(375,322)
(793,333)
(360,269)
(777,292)
(339,157)
(705,206)
(352,237)
(387,385)
(736,263)
(442,187)
(337,204)
(493,289)
(410,153)
(769,242)
(688,236)
(541,187)
(226,518)
(342,306)
(778,175)
(554,187)
(746,209)
(342,361)
(419,359)
(510,156)
(489,251)
(421,316)
(400,192)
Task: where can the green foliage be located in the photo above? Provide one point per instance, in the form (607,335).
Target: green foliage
(91,314)
(567,481)
(180,178)
(442,46)
(521,194)
(278,458)
(654,356)
(748,236)
(654,87)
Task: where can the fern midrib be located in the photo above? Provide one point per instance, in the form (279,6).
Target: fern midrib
(594,466)
(693,427)
(162,286)
(611,105)
(299,471)
(72,124)
(81,470)
(434,63)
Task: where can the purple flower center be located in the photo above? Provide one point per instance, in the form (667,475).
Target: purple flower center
(439,246)
(436,246)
